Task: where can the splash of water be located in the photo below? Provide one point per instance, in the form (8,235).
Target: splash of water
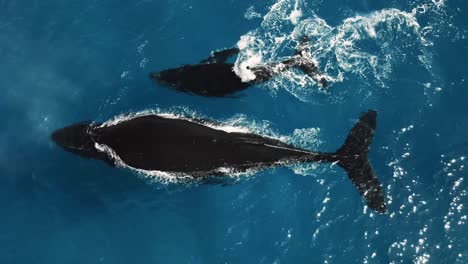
(365,47)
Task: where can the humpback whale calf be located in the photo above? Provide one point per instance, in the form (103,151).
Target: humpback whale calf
(159,143)
(214,77)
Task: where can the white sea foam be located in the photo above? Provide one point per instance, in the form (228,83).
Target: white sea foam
(161,176)
(242,69)
(250,13)
(295,16)
(338,50)
(173,115)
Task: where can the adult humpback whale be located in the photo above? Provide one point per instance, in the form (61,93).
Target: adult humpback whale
(154,142)
(214,77)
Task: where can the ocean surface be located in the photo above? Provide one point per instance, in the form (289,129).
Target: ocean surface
(68,61)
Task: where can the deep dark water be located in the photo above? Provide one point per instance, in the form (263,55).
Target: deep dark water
(89,60)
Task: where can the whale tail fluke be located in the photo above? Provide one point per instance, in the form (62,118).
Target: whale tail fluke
(352,157)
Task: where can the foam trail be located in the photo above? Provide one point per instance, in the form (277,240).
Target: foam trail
(364,46)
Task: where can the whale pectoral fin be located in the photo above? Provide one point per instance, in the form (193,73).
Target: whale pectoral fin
(220,56)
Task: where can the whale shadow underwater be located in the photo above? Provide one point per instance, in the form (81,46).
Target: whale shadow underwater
(214,77)
(196,148)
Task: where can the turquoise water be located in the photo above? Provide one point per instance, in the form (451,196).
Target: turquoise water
(64,62)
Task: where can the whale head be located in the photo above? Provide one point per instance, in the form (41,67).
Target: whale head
(171,77)
(79,139)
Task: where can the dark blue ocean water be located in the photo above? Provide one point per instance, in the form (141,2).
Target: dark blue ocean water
(68,61)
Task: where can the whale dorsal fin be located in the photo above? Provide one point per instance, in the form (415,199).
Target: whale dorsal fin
(220,56)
